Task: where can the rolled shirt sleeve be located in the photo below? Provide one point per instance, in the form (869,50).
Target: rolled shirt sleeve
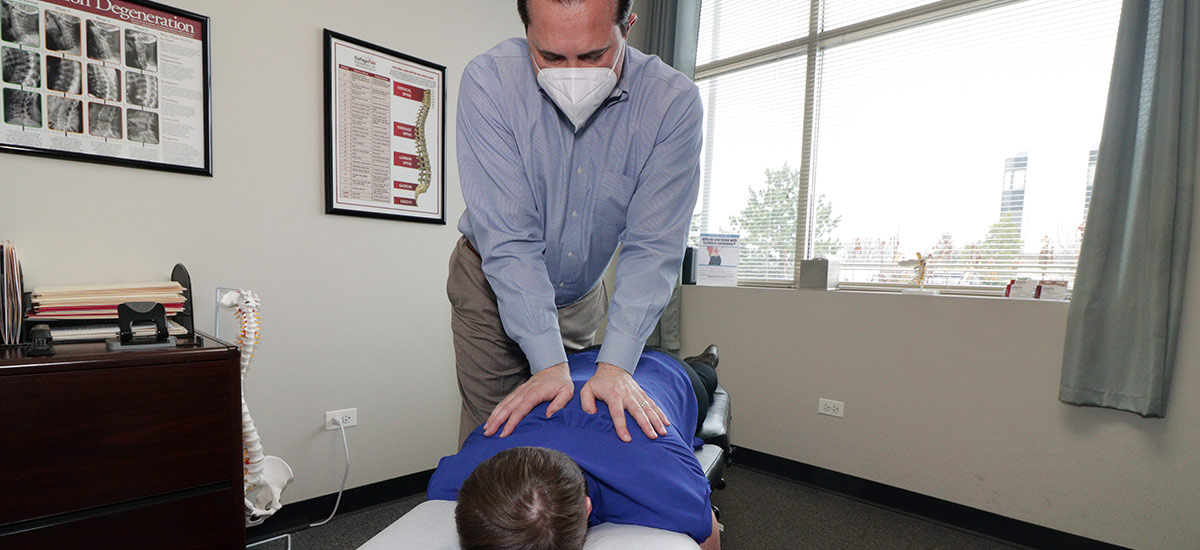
(656,232)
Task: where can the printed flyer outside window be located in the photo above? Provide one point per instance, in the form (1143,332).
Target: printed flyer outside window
(113,81)
(384,132)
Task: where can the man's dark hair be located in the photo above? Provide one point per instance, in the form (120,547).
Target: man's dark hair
(624,7)
(524,498)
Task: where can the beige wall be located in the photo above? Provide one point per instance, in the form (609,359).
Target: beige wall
(956,398)
(354,310)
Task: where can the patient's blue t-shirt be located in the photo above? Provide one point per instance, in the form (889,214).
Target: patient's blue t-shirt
(652,482)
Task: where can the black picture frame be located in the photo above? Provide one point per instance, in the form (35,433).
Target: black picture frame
(205,74)
(437,183)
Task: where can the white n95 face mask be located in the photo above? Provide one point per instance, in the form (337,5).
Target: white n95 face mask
(579,91)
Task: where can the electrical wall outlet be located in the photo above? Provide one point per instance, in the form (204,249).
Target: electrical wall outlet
(830,407)
(348,417)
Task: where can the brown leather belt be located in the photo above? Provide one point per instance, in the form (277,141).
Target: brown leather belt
(471,248)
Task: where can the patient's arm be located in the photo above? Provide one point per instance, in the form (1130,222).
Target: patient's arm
(713,542)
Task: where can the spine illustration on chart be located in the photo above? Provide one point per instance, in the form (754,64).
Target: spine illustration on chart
(424,173)
(264,477)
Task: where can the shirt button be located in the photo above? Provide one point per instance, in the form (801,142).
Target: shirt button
(560,285)
(579,170)
(575,214)
(570,254)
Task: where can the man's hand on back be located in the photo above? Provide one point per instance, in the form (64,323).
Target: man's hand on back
(551,384)
(617,388)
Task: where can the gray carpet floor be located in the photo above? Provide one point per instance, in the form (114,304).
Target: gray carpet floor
(759,512)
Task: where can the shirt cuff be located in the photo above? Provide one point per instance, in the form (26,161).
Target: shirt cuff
(544,351)
(620,351)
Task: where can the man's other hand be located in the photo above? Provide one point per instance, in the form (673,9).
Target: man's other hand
(551,384)
(616,388)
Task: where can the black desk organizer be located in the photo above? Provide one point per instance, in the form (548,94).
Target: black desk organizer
(185,318)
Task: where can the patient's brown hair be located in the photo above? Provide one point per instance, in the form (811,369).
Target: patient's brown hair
(524,498)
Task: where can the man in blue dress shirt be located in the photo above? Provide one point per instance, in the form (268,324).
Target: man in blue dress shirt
(570,142)
(542,486)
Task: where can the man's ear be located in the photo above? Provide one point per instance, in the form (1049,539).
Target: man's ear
(632,22)
(588,502)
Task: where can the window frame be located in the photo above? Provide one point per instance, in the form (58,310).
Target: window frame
(811,45)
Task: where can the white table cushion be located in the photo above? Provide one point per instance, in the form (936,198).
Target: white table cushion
(430,526)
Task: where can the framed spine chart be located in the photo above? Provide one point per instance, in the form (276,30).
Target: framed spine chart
(385,117)
(113,81)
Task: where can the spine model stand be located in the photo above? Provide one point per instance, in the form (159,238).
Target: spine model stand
(423,174)
(265,476)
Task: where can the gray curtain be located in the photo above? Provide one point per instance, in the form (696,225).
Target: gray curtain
(1123,320)
(674,28)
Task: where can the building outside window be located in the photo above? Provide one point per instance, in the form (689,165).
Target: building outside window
(1093,155)
(1012,194)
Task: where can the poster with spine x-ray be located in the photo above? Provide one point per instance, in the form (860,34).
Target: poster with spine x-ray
(385,122)
(112,81)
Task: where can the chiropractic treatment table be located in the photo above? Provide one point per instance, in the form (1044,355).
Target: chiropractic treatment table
(430,526)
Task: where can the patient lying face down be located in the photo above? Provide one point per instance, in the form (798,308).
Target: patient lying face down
(546,483)
(525,497)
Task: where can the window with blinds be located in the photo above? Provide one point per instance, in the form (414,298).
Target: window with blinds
(868,131)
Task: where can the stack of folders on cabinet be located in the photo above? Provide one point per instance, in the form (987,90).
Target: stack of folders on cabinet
(11,295)
(89,312)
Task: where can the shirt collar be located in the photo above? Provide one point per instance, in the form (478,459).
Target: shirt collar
(621,90)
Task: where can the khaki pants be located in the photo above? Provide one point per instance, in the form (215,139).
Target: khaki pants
(490,364)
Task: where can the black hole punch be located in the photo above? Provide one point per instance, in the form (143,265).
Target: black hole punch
(129,313)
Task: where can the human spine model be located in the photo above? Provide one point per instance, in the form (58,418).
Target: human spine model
(921,270)
(265,477)
(422,150)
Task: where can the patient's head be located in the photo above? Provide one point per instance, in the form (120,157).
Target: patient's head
(526,498)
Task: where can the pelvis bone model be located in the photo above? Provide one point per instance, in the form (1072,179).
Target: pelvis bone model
(265,476)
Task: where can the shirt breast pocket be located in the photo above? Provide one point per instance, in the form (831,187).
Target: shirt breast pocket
(614,192)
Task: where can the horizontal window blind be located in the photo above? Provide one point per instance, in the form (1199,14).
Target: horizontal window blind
(750,166)
(733,27)
(967,140)
(967,134)
(839,13)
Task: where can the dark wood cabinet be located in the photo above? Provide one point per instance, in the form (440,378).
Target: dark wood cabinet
(138,449)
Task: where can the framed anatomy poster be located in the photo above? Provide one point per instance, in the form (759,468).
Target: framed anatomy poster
(113,81)
(385,117)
